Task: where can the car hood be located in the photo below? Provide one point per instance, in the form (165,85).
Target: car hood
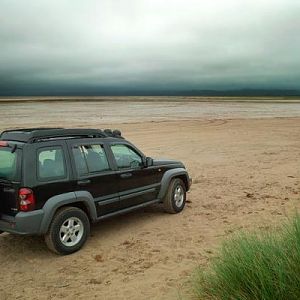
(164,161)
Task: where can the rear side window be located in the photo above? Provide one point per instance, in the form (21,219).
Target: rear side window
(80,163)
(90,159)
(8,164)
(51,163)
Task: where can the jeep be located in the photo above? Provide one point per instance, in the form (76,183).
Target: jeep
(55,182)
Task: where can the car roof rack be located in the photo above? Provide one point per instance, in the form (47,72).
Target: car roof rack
(33,135)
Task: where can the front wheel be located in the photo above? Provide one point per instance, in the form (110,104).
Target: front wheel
(68,230)
(174,200)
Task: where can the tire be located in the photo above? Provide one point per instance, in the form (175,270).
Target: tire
(1,231)
(72,224)
(175,191)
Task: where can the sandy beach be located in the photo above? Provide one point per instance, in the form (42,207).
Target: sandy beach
(244,160)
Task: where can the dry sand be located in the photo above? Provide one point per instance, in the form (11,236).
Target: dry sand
(245,164)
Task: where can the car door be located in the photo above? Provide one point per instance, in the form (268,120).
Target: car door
(96,175)
(50,172)
(137,184)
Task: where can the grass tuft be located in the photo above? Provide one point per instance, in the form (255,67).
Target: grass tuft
(254,266)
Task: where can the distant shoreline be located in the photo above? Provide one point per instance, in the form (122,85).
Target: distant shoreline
(251,99)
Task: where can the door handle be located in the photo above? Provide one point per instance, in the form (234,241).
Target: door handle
(126,175)
(83,182)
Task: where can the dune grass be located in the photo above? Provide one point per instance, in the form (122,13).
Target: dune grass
(254,266)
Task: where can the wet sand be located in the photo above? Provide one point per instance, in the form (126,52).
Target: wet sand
(89,114)
(244,159)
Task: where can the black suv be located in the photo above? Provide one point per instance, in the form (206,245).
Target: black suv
(55,182)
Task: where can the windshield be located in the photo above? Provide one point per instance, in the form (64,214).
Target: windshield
(8,164)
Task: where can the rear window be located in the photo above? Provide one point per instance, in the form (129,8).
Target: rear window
(8,164)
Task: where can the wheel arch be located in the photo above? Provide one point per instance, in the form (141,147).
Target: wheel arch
(82,200)
(79,204)
(168,176)
(185,181)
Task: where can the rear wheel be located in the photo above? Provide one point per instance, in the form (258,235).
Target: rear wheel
(174,200)
(68,230)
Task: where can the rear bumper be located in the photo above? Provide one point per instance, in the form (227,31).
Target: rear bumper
(22,223)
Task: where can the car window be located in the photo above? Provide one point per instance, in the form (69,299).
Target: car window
(8,164)
(126,157)
(51,163)
(90,159)
(80,161)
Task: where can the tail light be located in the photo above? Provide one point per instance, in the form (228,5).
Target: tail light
(3,144)
(26,199)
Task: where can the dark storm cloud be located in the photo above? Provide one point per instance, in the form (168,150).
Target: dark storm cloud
(76,46)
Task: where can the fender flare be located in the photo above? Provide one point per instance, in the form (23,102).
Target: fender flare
(54,203)
(167,177)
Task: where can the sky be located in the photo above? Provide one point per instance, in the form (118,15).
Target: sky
(61,47)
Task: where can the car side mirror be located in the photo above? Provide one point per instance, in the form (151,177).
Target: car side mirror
(148,162)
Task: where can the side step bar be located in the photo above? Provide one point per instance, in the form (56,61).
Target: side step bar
(126,210)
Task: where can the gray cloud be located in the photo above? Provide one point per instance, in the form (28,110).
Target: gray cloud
(210,44)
